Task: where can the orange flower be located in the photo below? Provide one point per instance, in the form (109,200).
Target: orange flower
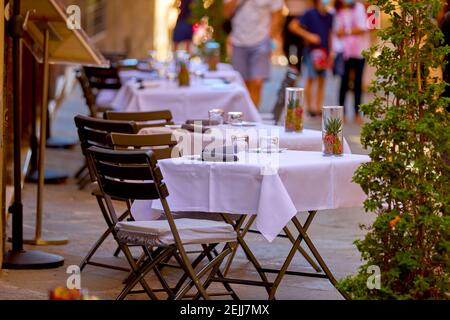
(394,222)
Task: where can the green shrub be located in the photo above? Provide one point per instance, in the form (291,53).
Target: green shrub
(408,180)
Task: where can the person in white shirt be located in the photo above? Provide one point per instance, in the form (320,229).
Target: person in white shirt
(254,23)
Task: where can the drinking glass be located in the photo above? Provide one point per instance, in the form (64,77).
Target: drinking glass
(235,117)
(240,142)
(269,143)
(216,115)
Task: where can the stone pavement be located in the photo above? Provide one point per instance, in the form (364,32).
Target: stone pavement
(73,213)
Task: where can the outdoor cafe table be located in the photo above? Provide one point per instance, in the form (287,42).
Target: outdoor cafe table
(272,189)
(190,143)
(192,102)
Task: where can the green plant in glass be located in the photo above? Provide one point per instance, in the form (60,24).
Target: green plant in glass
(407,182)
(294,116)
(331,139)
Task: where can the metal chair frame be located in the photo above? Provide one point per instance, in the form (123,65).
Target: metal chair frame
(134,175)
(95,132)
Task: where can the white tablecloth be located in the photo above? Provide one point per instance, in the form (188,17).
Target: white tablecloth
(186,103)
(273,186)
(194,143)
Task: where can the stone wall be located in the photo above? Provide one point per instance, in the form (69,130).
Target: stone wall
(129,26)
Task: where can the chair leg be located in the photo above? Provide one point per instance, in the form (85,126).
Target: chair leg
(141,272)
(139,277)
(84,181)
(220,274)
(195,278)
(161,279)
(94,248)
(248,253)
(81,170)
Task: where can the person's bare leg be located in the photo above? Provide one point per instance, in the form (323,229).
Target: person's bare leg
(320,93)
(308,94)
(255,89)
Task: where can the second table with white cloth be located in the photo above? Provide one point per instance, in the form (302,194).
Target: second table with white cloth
(185,103)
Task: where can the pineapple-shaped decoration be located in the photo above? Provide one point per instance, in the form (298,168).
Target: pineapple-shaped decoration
(294,110)
(332,137)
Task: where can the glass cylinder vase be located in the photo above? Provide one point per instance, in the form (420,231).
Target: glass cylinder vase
(294,107)
(333,131)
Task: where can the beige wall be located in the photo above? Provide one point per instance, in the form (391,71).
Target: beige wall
(129,27)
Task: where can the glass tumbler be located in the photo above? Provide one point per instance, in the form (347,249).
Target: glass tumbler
(235,117)
(216,116)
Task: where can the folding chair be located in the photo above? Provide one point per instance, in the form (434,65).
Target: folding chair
(135,175)
(95,132)
(103,78)
(143,119)
(90,95)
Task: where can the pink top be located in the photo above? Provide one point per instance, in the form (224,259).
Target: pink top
(347,19)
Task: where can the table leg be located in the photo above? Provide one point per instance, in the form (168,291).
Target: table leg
(243,232)
(249,254)
(302,230)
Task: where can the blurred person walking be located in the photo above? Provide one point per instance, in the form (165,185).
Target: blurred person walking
(254,24)
(293,44)
(351,28)
(315,27)
(183,32)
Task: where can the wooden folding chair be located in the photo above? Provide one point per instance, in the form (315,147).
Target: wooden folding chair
(135,175)
(90,95)
(103,78)
(144,119)
(95,132)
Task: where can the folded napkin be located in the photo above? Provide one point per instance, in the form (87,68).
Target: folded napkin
(203,122)
(222,154)
(194,128)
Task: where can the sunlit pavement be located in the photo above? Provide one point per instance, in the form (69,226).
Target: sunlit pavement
(73,213)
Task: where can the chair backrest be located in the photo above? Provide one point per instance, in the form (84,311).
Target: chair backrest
(103,78)
(162,145)
(143,119)
(88,93)
(127,175)
(96,132)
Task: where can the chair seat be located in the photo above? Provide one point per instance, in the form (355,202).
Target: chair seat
(158,232)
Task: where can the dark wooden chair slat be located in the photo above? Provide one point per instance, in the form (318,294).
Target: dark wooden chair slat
(163,115)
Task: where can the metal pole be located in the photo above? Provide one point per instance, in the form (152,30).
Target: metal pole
(18,258)
(42,140)
(17,207)
(41,154)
